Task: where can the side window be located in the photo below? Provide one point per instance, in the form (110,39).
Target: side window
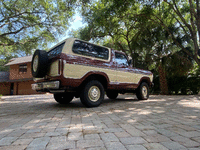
(121,59)
(91,50)
(56,51)
(22,68)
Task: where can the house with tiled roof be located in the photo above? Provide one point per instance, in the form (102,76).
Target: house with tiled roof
(19,79)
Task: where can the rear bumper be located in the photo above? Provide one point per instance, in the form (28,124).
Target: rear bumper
(52,85)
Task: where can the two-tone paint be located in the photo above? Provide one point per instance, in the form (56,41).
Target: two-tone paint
(73,69)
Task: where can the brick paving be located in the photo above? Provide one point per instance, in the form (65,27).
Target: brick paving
(160,123)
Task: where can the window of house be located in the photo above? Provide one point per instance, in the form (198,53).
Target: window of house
(91,50)
(121,59)
(23,68)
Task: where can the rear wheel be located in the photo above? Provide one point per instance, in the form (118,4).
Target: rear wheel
(63,98)
(142,91)
(112,94)
(92,94)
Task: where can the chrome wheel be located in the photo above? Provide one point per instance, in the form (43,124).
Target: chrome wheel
(144,91)
(35,63)
(94,93)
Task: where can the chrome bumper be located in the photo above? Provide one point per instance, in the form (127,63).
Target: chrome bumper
(46,85)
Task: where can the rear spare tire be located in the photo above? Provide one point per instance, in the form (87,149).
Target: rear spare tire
(39,63)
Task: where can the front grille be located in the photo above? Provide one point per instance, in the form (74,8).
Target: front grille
(55,51)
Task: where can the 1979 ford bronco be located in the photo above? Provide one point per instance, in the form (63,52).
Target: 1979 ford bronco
(75,68)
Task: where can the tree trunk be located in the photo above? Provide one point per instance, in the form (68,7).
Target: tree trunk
(163,81)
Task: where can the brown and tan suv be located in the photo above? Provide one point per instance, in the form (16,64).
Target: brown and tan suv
(75,68)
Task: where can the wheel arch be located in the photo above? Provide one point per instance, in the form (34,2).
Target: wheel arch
(145,79)
(99,76)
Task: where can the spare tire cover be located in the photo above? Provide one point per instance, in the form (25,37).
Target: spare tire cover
(39,64)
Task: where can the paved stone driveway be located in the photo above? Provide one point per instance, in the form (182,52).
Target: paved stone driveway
(160,123)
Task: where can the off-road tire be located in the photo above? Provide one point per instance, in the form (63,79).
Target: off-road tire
(142,91)
(64,98)
(92,94)
(112,94)
(39,64)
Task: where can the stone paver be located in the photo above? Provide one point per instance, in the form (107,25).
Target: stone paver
(23,141)
(75,136)
(135,147)
(156,138)
(39,143)
(91,136)
(185,141)
(115,146)
(160,123)
(173,145)
(7,140)
(89,143)
(60,142)
(155,146)
(109,137)
(132,140)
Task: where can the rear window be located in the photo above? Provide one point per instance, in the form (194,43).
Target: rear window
(91,50)
(56,51)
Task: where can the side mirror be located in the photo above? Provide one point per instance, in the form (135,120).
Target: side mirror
(130,62)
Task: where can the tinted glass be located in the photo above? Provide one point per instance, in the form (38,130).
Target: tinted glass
(56,51)
(87,49)
(121,59)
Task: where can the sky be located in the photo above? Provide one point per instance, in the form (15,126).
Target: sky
(75,24)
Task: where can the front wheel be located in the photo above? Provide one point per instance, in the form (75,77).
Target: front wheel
(63,98)
(142,91)
(92,94)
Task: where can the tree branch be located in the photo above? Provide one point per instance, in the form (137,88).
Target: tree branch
(192,16)
(179,14)
(3,25)
(181,25)
(14,32)
(20,14)
(174,39)
(198,18)
(194,28)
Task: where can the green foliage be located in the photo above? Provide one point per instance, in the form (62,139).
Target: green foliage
(184,85)
(157,33)
(25,25)
(195,71)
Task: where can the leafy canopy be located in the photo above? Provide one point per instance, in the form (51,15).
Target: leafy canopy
(25,25)
(29,24)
